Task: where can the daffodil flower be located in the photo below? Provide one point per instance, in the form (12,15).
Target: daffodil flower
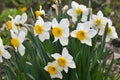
(54,70)
(39,12)
(65,60)
(17,41)
(42,29)
(11,25)
(99,22)
(111,34)
(3,53)
(77,10)
(84,33)
(60,31)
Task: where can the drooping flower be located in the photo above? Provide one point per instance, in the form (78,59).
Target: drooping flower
(3,53)
(84,33)
(17,41)
(65,60)
(99,22)
(39,12)
(77,10)
(42,29)
(54,70)
(60,31)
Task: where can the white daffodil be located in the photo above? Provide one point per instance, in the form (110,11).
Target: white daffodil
(77,10)
(61,31)
(3,53)
(65,60)
(39,12)
(42,29)
(99,22)
(84,33)
(111,34)
(11,25)
(17,41)
(54,70)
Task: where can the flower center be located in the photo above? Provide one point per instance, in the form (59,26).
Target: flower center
(9,24)
(57,31)
(62,61)
(0,52)
(52,69)
(37,13)
(39,29)
(109,30)
(81,35)
(98,22)
(15,42)
(78,11)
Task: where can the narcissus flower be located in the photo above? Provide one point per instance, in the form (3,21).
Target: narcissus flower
(42,29)
(61,31)
(65,60)
(84,33)
(77,10)
(17,41)
(3,53)
(99,22)
(111,34)
(54,70)
(39,12)
(11,25)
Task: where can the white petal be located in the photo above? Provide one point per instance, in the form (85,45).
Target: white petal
(1,43)
(24,30)
(17,19)
(21,36)
(64,23)
(42,12)
(73,33)
(13,35)
(66,69)
(47,26)
(63,41)
(91,33)
(66,54)
(74,5)
(74,19)
(39,21)
(72,64)
(56,55)
(114,35)
(1,60)
(21,50)
(65,32)
(100,14)
(87,41)
(84,26)
(107,39)
(71,12)
(6,54)
(44,36)
(24,18)
(54,23)
(58,75)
